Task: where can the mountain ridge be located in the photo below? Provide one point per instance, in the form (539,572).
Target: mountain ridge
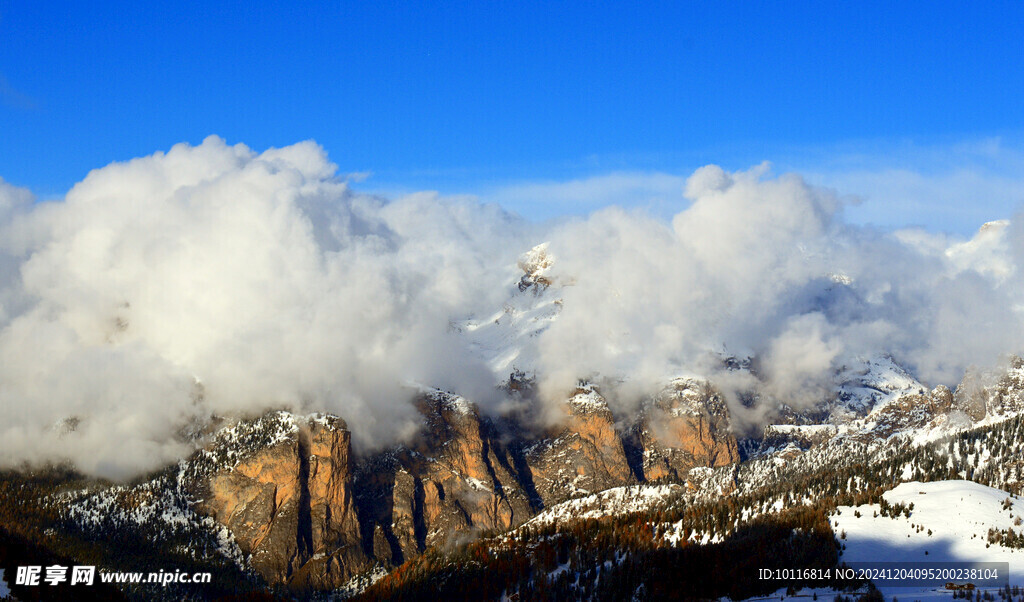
(285,501)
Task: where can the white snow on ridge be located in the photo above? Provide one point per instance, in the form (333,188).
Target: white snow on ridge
(587,399)
(802,428)
(958,514)
(359,583)
(610,502)
(450,401)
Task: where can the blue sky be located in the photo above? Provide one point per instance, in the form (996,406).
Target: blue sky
(549,108)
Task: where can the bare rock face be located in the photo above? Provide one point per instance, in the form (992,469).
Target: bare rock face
(283,488)
(305,515)
(585,456)
(455,481)
(685,426)
(971,395)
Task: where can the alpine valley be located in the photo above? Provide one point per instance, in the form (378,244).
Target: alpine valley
(678,499)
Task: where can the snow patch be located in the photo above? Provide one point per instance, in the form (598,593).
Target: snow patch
(587,399)
(610,502)
(358,584)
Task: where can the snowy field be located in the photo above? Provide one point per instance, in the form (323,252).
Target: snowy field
(959,515)
(949,523)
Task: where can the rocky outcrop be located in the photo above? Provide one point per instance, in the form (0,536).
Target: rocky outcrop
(997,393)
(919,410)
(288,499)
(685,426)
(454,481)
(585,455)
(305,515)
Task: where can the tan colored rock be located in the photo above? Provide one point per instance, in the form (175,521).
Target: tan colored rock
(451,484)
(584,456)
(685,426)
(289,503)
(306,518)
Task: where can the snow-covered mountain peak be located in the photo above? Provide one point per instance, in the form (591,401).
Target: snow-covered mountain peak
(840,278)
(446,401)
(687,395)
(868,383)
(536,264)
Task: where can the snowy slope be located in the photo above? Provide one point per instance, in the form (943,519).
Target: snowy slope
(871,383)
(610,502)
(959,515)
(4,589)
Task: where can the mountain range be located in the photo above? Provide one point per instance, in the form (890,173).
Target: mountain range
(594,494)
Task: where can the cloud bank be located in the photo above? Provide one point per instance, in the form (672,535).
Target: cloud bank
(217,280)
(213,279)
(767,268)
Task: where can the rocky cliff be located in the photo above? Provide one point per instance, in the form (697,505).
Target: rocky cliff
(583,455)
(453,481)
(289,502)
(685,426)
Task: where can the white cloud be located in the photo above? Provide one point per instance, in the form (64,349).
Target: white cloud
(215,279)
(767,267)
(259,275)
